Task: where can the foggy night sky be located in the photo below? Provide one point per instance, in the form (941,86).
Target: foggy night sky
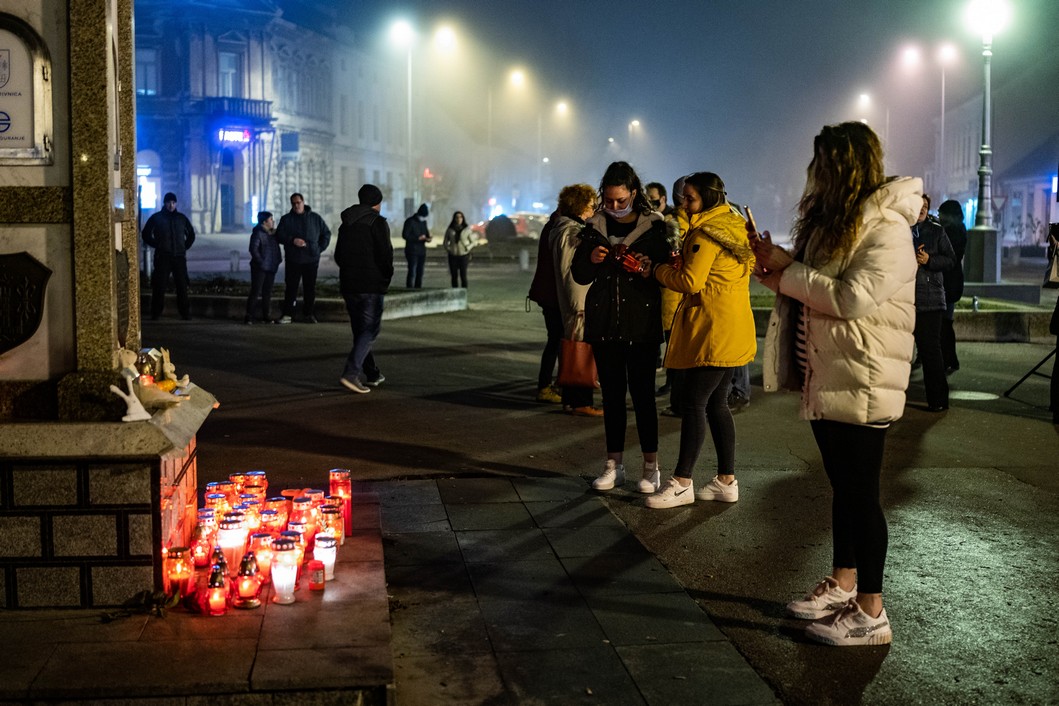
(741,88)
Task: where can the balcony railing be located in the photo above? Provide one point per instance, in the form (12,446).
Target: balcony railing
(257,111)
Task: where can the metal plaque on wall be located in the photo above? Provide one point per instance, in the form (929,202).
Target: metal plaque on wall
(23,281)
(25,95)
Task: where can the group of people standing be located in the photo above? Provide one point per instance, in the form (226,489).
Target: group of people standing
(841,334)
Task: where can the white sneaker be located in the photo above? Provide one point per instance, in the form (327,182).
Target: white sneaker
(825,598)
(651,479)
(285,319)
(716,490)
(354,385)
(851,626)
(613,474)
(672,494)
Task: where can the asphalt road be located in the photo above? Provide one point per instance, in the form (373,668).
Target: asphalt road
(971,495)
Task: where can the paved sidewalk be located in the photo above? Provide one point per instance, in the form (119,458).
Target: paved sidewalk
(528,591)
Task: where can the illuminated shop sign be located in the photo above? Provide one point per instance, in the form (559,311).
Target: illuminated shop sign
(229,136)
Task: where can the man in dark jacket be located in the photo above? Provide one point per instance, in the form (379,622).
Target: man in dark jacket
(170,233)
(364,255)
(934,255)
(416,236)
(304,236)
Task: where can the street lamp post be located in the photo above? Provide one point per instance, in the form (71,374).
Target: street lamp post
(402,34)
(946,53)
(983,246)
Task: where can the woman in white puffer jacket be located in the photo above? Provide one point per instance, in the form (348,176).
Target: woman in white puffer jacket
(841,334)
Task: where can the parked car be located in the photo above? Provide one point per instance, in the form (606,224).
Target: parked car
(521,224)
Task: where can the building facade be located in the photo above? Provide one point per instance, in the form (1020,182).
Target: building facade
(242,102)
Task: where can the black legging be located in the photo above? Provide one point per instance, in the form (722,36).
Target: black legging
(705,400)
(458,268)
(553,322)
(627,366)
(853,455)
(928,344)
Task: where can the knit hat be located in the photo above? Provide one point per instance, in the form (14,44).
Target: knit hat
(169,196)
(369,195)
(423,212)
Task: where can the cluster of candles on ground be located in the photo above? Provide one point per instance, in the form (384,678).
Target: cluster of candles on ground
(245,540)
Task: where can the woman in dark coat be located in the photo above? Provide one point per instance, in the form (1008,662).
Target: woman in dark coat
(951,216)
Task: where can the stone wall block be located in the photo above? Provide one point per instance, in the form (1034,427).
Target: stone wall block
(85,535)
(113,585)
(48,587)
(128,484)
(52,485)
(141,540)
(20,536)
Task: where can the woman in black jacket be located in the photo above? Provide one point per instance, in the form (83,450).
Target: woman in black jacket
(950,213)
(623,315)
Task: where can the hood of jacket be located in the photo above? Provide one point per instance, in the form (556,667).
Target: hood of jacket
(357,212)
(721,225)
(643,224)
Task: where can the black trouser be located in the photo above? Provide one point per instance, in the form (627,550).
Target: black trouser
(706,401)
(416,262)
(628,366)
(458,266)
(948,339)
(553,322)
(164,265)
(853,455)
(306,274)
(928,342)
(260,291)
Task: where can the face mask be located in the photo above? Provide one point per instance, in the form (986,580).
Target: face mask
(423,218)
(619,214)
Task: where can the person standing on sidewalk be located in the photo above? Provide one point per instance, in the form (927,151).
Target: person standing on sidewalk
(950,213)
(364,255)
(935,257)
(623,316)
(304,236)
(416,236)
(545,292)
(170,233)
(713,335)
(577,203)
(840,333)
(458,244)
(265,257)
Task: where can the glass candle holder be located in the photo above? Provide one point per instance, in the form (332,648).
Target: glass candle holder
(261,546)
(200,548)
(331,524)
(178,570)
(284,570)
(231,538)
(340,483)
(238,479)
(228,488)
(217,591)
(257,478)
(247,583)
(218,502)
(316,575)
(326,550)
(217,559)
(299,549)
(282,508)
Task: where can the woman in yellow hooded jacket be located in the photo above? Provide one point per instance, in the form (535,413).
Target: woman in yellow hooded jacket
(713,333)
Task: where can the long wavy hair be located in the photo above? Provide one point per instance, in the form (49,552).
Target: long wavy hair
(455,225)
(847,168)
(622,174)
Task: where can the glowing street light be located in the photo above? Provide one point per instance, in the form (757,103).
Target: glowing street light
(986,18)
(445,39)
(403,36)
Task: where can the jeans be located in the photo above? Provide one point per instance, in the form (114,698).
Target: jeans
(853,456)
(458,266)
(622,367)
(416,261)
(928,342)
(260,291)
(164,265)
(365,319)
(741,381)
(553,322)
(306,274)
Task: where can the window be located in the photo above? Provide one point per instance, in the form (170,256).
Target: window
(147,72)
(229,74)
